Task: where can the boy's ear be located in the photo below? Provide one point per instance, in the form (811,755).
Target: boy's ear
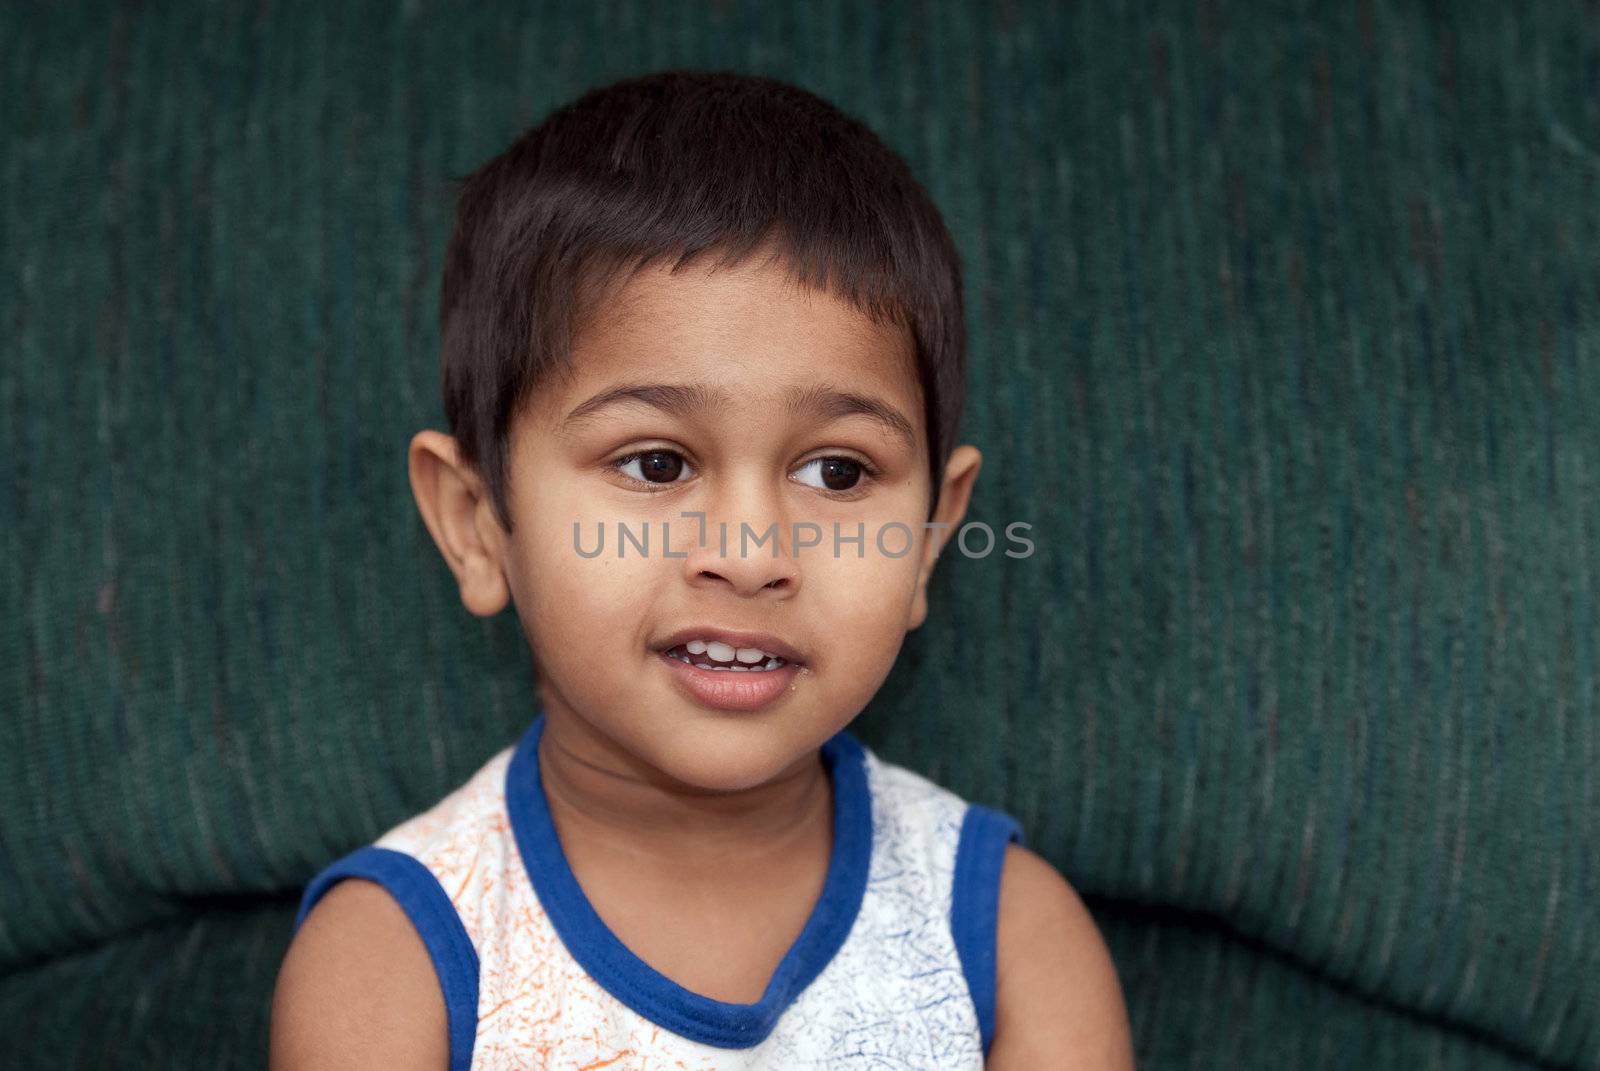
(456,507)
(960,473)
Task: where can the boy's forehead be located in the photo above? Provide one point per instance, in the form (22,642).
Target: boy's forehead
(748,305)
(745,329)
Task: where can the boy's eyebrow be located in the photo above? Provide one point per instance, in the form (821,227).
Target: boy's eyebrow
(685,400)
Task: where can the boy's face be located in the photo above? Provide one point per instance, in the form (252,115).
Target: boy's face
(598,625)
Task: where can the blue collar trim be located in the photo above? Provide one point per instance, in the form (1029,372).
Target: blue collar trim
(641,987)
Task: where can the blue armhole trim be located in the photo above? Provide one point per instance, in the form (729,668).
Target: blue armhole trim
(975,903)
(424,900)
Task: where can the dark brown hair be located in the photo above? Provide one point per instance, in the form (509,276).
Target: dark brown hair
(676,164)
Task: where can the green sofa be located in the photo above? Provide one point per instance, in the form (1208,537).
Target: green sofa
(1285,328)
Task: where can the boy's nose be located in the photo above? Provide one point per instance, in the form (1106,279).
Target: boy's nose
(745,581)
(747,557)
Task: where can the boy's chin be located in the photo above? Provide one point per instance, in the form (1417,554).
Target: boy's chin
(715,756)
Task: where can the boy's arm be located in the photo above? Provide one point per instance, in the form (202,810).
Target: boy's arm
(1058,1003)
(357,989)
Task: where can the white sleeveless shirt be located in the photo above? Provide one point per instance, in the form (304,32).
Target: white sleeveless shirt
(894,967)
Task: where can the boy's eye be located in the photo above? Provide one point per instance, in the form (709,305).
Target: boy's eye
(836,473)
(653,466)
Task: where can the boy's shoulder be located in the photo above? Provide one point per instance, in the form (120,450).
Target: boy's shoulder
(359,977)
(1057,989)
(357,987)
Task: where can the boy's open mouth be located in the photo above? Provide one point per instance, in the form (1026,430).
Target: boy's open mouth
(731,669)
(714,655)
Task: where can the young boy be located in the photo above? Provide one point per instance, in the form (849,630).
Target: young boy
(713,317)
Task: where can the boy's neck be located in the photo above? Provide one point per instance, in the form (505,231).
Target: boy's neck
(620,804)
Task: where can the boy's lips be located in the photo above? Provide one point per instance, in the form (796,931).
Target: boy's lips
(729,689)
(733,638)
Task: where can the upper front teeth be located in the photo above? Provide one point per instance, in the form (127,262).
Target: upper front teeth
(732,658)
(723,652)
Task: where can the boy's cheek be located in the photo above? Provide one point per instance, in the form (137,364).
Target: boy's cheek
(859,607)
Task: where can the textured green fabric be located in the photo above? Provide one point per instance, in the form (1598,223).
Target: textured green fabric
(1284,324)
(186,993)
